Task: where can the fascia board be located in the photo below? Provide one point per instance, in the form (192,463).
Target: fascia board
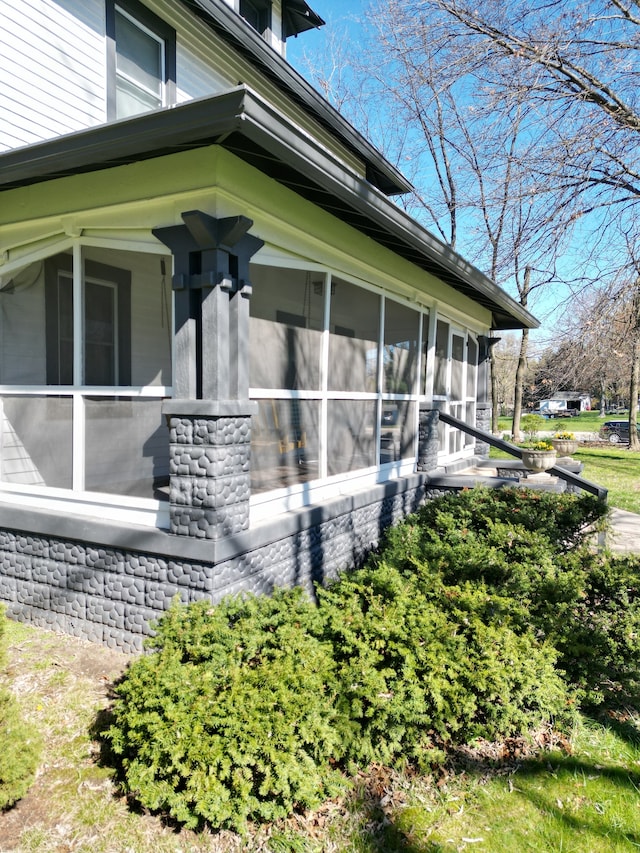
(207,122)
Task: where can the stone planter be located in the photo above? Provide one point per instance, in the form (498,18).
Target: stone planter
(564,446)
(538,460)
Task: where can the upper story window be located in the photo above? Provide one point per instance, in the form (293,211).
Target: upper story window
(141,60)
(257,13)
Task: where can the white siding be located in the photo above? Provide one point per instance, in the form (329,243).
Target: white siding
(196,77)
(52,68)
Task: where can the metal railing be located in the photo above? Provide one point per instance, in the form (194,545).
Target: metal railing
(568,476)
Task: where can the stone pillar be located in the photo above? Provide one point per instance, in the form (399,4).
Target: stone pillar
(483,422)
(209,469)
(428,440)
(210,415)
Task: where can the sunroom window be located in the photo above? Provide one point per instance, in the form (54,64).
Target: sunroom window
(85,363)
(334,369)
(454,385)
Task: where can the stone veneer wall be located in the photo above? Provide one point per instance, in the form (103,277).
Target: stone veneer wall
(483,422)
(210,475)
(66,578)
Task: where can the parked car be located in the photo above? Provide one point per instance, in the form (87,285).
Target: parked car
(616,431)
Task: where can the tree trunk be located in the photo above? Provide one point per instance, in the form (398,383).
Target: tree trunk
(518,393)
(634,442)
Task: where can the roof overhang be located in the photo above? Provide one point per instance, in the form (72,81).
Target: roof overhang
(235,31)
(257,133)
(298,17)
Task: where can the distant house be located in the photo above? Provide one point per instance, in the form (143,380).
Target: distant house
(224,347)
(566,401)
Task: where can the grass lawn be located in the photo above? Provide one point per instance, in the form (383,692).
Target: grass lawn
(615,468)
(584,422)
(585,800)
(618,469)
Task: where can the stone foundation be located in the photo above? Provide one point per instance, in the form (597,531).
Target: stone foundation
(112,593)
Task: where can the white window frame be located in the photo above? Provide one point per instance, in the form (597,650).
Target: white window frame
(119,10)
(120,508)
(265,504)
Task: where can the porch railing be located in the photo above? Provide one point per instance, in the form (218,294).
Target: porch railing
(569,477)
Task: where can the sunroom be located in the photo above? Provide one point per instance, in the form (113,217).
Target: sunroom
(338,370)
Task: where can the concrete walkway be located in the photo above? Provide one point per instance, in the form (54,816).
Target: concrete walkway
(624,536)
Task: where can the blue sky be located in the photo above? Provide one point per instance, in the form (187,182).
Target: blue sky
(343,14)
(334,12)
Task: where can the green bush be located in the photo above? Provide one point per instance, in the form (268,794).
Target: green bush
(566,520)
(597,631)
(232,717)
(424,664)
(484,615)
(529,549)
(20,752)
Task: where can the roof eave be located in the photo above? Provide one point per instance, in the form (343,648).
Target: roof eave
(253,130)
(233,29)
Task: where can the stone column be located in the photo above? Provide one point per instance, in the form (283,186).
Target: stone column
(483,422)
(210,415)
(209,468)
(428,439)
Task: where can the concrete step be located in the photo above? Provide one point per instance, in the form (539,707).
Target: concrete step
(471,479)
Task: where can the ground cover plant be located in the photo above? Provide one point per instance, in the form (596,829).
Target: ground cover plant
(485,615)
(583,797)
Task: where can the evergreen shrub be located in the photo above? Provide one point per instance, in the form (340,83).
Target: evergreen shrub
(423,664)
(531,549)
(566,520)
(485,614)
(20,751)
(232,717)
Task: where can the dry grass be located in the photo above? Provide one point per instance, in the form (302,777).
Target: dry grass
(63,684)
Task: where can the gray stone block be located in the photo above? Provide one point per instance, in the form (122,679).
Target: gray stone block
(34,595)
(69,602)
(8,588)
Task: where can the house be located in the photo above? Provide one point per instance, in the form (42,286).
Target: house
(565,404)
(224,346)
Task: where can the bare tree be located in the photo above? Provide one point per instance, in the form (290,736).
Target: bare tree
(599,344)
(518,124)
(435,111)
(577,63)
(505,354)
